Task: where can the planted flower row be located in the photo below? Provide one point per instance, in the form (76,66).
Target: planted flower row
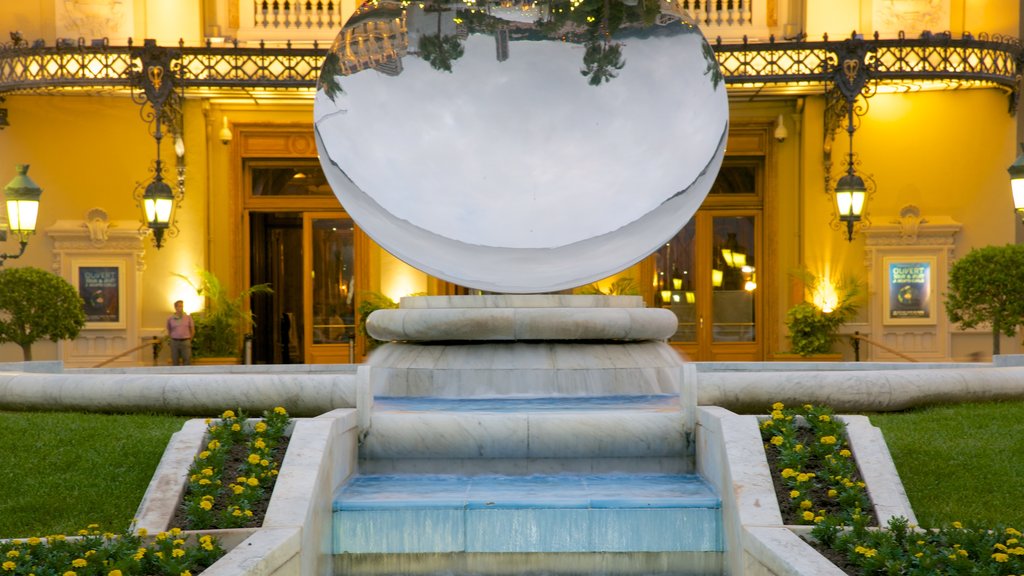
(808,446)
(235,472)
(92,552)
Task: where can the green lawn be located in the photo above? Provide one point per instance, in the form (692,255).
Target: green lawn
(960,462)
(62,471)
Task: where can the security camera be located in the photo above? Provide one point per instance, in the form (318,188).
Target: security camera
(780,130)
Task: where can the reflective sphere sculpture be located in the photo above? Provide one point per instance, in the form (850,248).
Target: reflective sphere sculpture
(523,148)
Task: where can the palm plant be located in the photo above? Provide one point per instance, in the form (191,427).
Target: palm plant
(220,326)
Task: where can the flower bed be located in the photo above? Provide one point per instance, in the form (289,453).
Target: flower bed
(231,480)
(815,479)
(92,552)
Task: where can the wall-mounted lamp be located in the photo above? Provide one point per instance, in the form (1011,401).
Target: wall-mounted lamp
(225,134)
(1016,171)
(160,87)
(22,209)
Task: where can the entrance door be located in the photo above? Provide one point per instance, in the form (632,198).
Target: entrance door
(329,249)
(707,275)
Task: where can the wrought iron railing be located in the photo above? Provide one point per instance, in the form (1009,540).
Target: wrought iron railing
(989,61)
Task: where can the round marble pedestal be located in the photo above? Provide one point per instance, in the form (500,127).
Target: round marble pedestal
(535,345)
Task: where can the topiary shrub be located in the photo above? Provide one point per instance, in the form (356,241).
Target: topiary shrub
(35,304)
(987,287)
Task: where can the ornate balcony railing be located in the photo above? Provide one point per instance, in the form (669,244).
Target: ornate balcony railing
(788,67)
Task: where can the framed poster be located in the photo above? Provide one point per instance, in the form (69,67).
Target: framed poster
(910,291)
(101,286)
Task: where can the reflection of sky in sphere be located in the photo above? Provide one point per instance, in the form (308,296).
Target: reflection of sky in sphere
(523,153)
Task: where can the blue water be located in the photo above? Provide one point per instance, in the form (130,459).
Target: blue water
(525,404)
(538,513)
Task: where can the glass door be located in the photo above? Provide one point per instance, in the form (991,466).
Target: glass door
(707,276)
(330,333)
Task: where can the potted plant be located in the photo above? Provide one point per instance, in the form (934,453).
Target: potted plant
(814,325)
(219,327)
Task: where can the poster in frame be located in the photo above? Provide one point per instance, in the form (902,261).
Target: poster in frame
(101,285)
(910,296)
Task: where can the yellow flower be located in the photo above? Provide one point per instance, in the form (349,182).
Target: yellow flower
(264,463)
(70,573)
(808,515)
(832,493)
(237,489)
(1012,532)
(1018,551)
(776,415)
(808,407)
(281,411)
(1010,541)
(1000,557)
(178,542)
(803,477)
(778,406)
(140,554)
(819,519)
(794,493)
(207,471)
(204,481)
(824,418)
(8,566)
(206,505)
(806,505)
(845,453)
(253,481)
(867,552)
(999,546)
(213,445)
(204,454)
(776,440)
(235,427)
(259,444)
(828,440)
(13,553)
(260,427)
(767,424)
(228,414)
(957,524)
(79,562)
(114,573)
(787,472)
(798,448)
(177,553)
(254,458)
(185,573)
(33,541)
(237,512)
(962,552)
(161,536)
(248,513)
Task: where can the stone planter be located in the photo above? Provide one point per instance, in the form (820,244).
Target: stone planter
(321,456)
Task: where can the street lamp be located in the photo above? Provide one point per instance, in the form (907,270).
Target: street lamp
(1016,171)
(22,209)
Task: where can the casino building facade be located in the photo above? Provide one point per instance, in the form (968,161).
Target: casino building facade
(918,99)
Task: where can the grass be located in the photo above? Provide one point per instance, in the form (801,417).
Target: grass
(960,462)
(63,471)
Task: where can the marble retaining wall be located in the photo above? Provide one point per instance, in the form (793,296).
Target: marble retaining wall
(739,386)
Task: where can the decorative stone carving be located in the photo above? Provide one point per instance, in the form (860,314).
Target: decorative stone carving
(98,224)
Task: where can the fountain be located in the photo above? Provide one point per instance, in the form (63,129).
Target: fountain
(518,149)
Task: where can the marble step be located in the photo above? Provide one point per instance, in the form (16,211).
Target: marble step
(414,430)
(537,514)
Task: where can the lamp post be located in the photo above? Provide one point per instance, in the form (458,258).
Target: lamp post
(1016,171)
(22,209)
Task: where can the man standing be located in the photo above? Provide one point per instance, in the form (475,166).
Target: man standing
(181,330)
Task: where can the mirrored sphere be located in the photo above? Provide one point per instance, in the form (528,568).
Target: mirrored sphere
(521,147)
